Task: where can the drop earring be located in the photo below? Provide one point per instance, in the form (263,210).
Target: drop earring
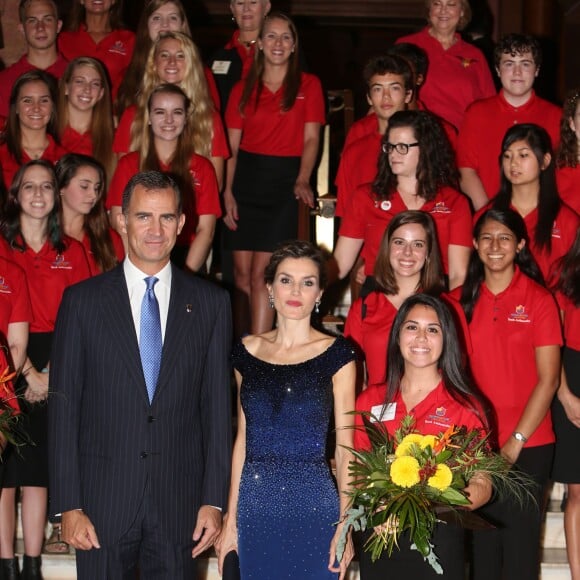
(271,300)
(317,307)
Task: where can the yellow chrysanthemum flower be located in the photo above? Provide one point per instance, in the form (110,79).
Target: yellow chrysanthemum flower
(442,478)
(405,471)
(405,444)
(428,441)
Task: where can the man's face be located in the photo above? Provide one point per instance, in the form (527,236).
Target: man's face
(152,224)
(387,95)
(517,73)
(41,25)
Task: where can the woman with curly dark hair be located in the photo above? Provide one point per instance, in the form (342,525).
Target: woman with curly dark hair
(568,154)
(528,185)
(515,328)
(416,171)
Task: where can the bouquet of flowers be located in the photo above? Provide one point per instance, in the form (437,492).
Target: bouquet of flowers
(8,412)
(404,483)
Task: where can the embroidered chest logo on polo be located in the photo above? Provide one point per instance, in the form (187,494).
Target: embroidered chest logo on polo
(194,179)
(60,263)
(4,287)
(519,315)
(440,207)
(118,48)
(438,418)
(556,231)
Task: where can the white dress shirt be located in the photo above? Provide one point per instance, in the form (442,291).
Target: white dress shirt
(136,286)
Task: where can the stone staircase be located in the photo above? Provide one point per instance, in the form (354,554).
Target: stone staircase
(554,562)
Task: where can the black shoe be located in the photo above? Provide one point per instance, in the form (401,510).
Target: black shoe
(31,568)
(9,569)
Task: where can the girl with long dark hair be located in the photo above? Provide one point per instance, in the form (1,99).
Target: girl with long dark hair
(515,330)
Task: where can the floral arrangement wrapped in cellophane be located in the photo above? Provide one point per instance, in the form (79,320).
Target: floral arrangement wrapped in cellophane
(405,482)
(8,414)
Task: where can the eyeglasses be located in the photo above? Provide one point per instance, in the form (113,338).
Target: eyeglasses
(401,148)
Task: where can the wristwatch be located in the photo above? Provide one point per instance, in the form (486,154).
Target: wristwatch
(519,436)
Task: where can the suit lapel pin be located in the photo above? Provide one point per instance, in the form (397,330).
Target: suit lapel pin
(188,308)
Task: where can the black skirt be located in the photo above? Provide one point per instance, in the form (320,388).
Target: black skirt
(565,469)
(28,464)
(263,187)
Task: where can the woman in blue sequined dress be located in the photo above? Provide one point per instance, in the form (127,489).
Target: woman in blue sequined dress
(283,501)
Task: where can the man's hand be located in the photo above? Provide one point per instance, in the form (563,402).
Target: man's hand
(207,529)
(78,531)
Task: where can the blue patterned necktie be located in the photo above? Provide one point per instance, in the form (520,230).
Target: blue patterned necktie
(150,341)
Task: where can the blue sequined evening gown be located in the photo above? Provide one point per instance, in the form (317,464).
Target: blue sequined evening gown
(288,502)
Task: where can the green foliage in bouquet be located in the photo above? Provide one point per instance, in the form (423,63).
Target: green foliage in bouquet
(403,483)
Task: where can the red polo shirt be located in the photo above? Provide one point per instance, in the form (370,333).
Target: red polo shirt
(14,297)
(268,130)
(571,321)
(48,274)
(10,166)
(568,179)
(505,331)
(114,51)
(9,76)
(358,166)
(118,248)
(456,78)
(75,142)
(433,415)
(367,219)
(485,125)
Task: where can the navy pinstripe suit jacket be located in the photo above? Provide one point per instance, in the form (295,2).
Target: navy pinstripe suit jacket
(106,441)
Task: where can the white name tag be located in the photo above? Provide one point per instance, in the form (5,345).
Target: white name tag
(220,67)
(383,412)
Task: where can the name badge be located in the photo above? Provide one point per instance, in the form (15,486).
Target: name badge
(383,412)
(220,67)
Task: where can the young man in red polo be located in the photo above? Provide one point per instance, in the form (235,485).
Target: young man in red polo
(40,25)
(517,59)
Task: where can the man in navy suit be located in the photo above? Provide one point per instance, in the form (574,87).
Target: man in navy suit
(140,475)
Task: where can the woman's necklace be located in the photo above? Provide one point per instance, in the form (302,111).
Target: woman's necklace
(34,152)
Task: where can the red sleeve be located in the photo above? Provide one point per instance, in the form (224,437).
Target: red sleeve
(219,143)
(207,199)
(461,231)
(122,140)
(547,323)
(467,139)
(315,111)
(343,182)
(77,255)
(118,245)
(212,87)
(126,168)
(21,308)
(354,221)
(234,119)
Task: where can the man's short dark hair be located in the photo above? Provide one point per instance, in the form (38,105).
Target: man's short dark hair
(151,181)
(413,54)
(518,44)
(389,64)
(24,5)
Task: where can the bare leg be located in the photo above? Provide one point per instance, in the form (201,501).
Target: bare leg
(7,522)
(262,314)
(572,529)
(34,501)
(241,303)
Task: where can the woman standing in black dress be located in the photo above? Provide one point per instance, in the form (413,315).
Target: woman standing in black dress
(273,120)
